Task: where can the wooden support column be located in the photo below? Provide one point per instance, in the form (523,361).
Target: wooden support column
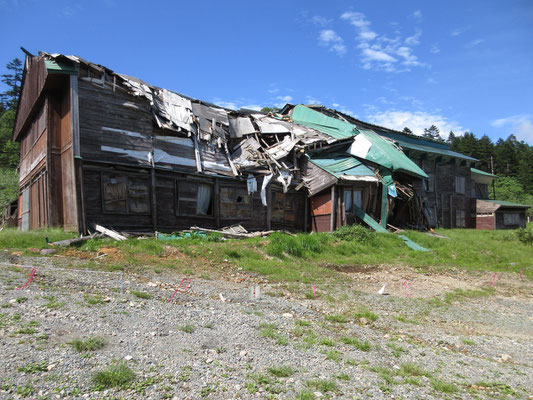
(269,208)
(306,211)
(216,203)
(153,199)
(333,208)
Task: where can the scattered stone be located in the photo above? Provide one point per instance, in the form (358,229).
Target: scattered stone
(287,315)
(363,321)
(47,252)
(505,357)
(51,367)
(128,358)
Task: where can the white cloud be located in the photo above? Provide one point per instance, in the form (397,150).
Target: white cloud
(329,38)
(459,31)
(431,81)
(417,15)
(312,100)
(434,49)
(320,21)
(381,52)
(416,121)
(520,125)
(254,107)
(284,98)
(272,91)
(226,104)
(474,43)
(415,39)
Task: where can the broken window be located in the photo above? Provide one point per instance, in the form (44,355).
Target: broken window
(460,184)
(284,206)
(429,184)
(352,197)
(194,198)
(235,202)
(123,194)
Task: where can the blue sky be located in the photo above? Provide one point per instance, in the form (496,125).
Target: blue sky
(461,65)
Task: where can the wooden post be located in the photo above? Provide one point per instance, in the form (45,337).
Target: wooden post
(216,203)
(269,208)
(306,211)
(154,199)
(333,208)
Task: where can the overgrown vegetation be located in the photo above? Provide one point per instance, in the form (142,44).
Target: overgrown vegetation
(116,375)
(89,344)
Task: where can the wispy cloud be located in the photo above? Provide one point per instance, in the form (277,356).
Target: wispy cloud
(312,100)
(320,21)
(284,98)
(71,10)
(474,43)
(332,40)
(520,125)
(416,121)
(343,109)
(379,52)
(434,49)
(418,15)
(459,31)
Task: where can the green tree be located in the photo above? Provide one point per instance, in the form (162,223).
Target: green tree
(407,130)
(12,80)
(509,189)
(432,133)
(267,110)
(8,187)
(9,150)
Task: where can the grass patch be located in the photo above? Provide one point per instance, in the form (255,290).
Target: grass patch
(412,369)
(358,344)
(327,342)
(52,303)
(93,300)
(322,385)
(469,342)
(333,355)
(15,239)
(281,371)
(337,318)
(397,350)
(271,331)
(366,313)
(89,344)
(27,330)
(499,387)
(33,368)
(116,375)
(301,322)
(305,395)
(443,387)
(187,328)
(141,295)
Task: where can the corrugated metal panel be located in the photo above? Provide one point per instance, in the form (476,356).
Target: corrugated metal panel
(344,165)
(372,147)
(330,126)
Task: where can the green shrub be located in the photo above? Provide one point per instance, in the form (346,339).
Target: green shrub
(298,246)
(355,233)
(116,375)
(90,344)
(525,236)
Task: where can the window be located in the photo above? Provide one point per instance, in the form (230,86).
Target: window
(352,197)
(460,184)
(511,218)
(235,202)
(460,219)
(194,198)
(123,194)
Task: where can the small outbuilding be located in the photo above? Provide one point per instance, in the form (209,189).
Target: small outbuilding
(499,214)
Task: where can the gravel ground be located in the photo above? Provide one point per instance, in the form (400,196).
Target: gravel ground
(214,341)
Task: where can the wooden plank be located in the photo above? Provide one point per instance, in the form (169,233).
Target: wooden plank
(108,232)
(68,242)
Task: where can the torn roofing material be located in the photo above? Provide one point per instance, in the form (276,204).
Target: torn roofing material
(372,147)
(345,167)
(333,127)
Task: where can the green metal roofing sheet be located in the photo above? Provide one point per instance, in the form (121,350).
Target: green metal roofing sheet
(386,154)
(343,164)
(435,150)
(507,203)
(480,172)
(333,127)
(60,68)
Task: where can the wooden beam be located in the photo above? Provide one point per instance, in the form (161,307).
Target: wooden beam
(108,232)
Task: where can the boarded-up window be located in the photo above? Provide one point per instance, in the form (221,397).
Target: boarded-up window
(194,198)
(235,202)
(284,207)
(510,218)
(123,194)
(352,197)
(460,221)
(460,184)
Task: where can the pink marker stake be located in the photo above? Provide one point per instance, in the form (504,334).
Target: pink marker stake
(314,290)
(187,287)
(30,278)
(522,270)
(493,279)
(406,286)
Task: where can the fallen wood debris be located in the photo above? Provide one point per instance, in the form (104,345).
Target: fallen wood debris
(108,232)
(69,242)
(233,235)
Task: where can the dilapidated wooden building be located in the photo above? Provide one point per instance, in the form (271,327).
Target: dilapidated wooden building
(105,148)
